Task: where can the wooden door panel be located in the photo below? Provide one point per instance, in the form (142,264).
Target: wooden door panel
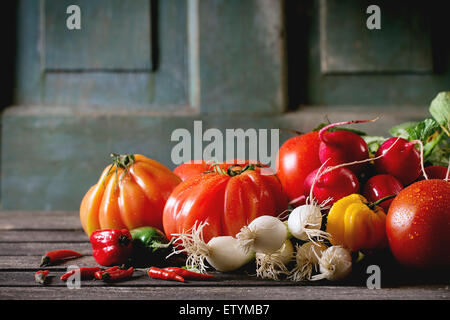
(108,38)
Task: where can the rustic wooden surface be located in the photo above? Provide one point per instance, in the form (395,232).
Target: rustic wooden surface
(26,236)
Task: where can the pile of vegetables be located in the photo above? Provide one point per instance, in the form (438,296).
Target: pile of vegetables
(338,194)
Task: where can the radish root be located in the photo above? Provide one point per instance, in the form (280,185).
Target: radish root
(331,125)
(448,171)
(359,161)
(421,157)
(312,229)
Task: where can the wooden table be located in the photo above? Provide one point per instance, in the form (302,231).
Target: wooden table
(26,236)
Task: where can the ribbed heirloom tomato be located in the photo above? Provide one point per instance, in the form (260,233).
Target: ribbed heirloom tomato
(192,168)
(130,193)
(226,200)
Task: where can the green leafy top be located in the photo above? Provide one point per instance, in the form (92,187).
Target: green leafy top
(415,130)
(430,133)
(440,110)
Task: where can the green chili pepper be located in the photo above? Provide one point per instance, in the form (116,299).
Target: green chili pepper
(150,245)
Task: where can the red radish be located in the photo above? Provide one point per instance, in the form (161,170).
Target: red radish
(336,184)
(343,146)
(381,186)
(435,172)
(297,157)
(402,161)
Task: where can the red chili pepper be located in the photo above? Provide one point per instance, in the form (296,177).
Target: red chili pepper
(85,273)
(111,246)
(117,274)
(98,275)
(157,273)
(58,255)
(187,274)
(41,275)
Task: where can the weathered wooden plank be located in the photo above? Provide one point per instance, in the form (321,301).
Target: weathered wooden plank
(32,263)
(39,220)
(226,293)
(11,236)
(139,279)
(14,277)
(40,248)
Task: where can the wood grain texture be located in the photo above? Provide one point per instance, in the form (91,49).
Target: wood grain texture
(39,220)
(224,293)
(32,262)
(40,248)
(12,236)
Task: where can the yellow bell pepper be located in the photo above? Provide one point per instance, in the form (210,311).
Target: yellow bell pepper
(357,225)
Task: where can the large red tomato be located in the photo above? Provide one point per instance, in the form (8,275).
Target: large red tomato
(226,202)
(418,225)
(296,159)
(192,168)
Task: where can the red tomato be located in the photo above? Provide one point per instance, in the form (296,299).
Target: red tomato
(381,186)
(189,169)
(297,158)
(418,225)
(226,203)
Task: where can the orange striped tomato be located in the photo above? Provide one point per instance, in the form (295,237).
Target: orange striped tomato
(130,193)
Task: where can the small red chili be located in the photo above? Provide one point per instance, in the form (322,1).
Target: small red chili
(117,274)
(157,273)
(58,255)
(41,275)
(98,275)
(85,273)
(187,274)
